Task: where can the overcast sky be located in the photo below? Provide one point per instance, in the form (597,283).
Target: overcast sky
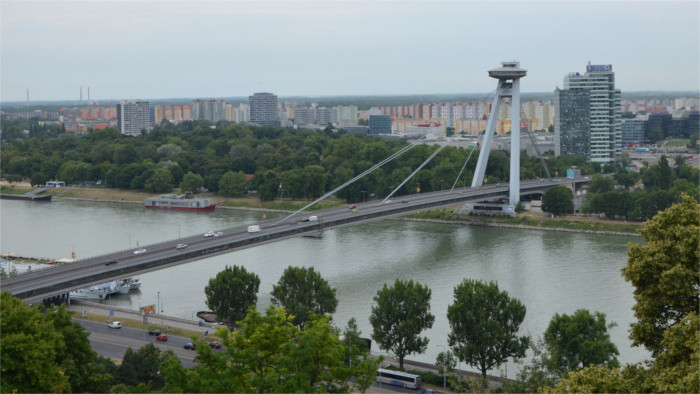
(180,49)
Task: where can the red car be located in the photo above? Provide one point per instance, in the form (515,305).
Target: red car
(162,337)
(215,345)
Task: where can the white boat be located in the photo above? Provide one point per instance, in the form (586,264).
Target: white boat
(97,292)
(128,284)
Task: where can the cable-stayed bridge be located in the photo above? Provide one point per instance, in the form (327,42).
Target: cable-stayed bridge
(53,284)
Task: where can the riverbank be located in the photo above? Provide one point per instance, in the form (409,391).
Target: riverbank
(533,220)
(525,220)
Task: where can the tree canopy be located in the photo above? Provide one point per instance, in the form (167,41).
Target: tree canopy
(665,273)
(46,351)
(578,341)
(558,200)
(303,292)
(268,353)
(402,312)
(231,293)
(485,323)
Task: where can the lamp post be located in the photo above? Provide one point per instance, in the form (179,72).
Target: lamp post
(363,195)
(444,367)
(159,312)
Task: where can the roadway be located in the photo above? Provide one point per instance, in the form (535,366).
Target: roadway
(39,285)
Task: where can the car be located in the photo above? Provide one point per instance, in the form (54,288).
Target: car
(162,338)
(111,262)
(208,234)
(180,246)
(188,346)
(115,324)
(215,345)
(218,234)
(404,201)
(154,332)
(498,184)
(140,251)
(352,206)
(541,180)
(354,210)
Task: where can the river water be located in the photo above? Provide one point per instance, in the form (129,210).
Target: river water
(550,272)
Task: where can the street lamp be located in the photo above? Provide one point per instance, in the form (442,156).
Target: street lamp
(444,369)
(363,195)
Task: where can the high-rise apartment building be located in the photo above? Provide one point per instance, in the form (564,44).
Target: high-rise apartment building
(133,116)
(602,135)
(263,109)
(212,110)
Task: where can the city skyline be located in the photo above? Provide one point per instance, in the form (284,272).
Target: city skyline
(172,49)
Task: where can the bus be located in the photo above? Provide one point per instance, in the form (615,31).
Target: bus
(398,378)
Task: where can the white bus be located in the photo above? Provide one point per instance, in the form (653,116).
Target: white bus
(398,378)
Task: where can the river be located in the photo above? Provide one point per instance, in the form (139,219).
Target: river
(550,272)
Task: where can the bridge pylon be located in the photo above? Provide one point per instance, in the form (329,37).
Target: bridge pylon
(508,86)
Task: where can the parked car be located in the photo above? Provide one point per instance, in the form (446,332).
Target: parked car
(162,338)
(189,346)
(181,246)
(154,332)
(218,234)
(215,345)
(111,262)
(208,234)
(115,324)
(140,251)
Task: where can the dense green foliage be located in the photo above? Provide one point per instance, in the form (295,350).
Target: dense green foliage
(484,323)
(231,293)
(640,196)
(304,294)
(558,200)
(578,341)
(270,354)
(665,272)
(286,163)
(401,314)
(46,351)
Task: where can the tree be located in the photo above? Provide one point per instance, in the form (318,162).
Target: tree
(160,182)
(231,293)
(601,184)
(142,367)
(446,362)
(191,182)
(45,352)
(484,323)
(558,200)
(232,184)
(664,272)
(401,314)
(302,292)
(270,354)
(578,341)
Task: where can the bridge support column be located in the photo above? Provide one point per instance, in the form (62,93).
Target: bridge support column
(508,86)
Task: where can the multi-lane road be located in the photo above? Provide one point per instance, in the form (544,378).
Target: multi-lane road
(43,284)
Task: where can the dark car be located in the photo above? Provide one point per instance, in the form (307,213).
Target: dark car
(111,262)
(215,345)
(189,346)
(154,332)
(162,338)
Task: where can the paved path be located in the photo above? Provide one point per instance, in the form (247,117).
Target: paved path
(94,308)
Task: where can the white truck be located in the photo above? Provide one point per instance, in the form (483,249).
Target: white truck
(254,229)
